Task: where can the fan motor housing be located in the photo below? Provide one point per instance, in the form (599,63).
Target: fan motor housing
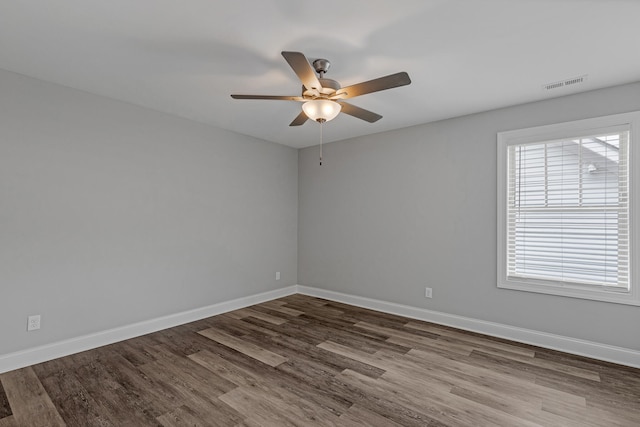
(329,86)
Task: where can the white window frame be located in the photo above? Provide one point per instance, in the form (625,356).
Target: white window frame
(555,132)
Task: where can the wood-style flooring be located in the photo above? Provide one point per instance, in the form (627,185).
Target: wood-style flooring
(303,361)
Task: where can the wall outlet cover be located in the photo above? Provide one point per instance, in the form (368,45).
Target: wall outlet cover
(33,323)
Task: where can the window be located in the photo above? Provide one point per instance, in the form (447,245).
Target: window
(565,209)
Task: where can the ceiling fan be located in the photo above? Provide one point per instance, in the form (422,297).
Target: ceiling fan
(324,98)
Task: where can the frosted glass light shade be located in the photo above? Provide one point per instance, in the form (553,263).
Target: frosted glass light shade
(321,110)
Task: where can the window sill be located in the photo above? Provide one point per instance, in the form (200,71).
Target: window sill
(603,295)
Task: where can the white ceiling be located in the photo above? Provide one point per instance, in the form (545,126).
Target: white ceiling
(186,57)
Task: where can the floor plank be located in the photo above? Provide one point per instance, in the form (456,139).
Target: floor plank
(247,348)
(5,409)
(30,403)
(8,421)
(361,417)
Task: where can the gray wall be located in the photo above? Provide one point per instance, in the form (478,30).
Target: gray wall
(388,214)
(112,214)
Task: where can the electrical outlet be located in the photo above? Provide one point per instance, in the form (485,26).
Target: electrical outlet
(428,293)
(33,323)
(277,275)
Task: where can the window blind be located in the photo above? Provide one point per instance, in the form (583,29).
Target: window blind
(568,210)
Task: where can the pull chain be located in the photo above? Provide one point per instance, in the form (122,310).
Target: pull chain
(320,143)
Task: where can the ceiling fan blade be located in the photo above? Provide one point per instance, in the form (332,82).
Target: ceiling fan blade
(271,97)
(375,85)
(359,113)
(300,120)
(303,69)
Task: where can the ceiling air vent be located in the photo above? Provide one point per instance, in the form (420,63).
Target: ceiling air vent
(565,82)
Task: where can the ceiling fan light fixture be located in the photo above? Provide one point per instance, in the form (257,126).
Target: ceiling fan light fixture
(321,110)
(320,94)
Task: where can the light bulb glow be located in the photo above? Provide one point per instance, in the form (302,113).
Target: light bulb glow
(321,110)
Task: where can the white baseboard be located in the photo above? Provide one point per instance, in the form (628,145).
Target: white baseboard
(608,353)
(20,359)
